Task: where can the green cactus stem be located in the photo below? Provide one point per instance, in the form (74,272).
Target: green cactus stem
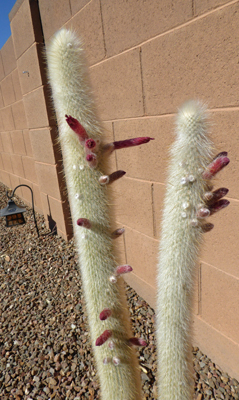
(188,202)
(85,162)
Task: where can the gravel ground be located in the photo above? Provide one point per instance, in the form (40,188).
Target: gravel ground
(44,343)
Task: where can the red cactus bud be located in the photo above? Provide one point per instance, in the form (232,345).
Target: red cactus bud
(90,144)
(123,269)
(219,162)
(116,175)
(91,159)
(103,337)
(218,194)
(218,205)
(118,232)
(84,222)
(122,144)
(134,341)
(75,125)
(106,313)
(207,227)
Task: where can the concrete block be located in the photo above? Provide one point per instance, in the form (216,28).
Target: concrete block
(29,169)
(48,179)
(19,115)
(29,62)
(17,165)
(133,204)
(27,141)
(54,15)
(198,60)
(128,23)
(148,161)
(7,90)
(7,118)
(8,57)
(88,25)
(18,142)
(35,108)
(7,142)
(117,86)
(7,163)
(221,291)
(42,145)
(22,29)
(16,85)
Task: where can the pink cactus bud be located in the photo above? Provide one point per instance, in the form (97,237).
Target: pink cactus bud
(123,269)
(118,232)
(92,160)
(207,227)
(203,212)
(116,175)
(103,337)
(218,205)
(122,144)
(134,341)
(106,313)
(90,144)
(75,125)
(218,163)
(84,222)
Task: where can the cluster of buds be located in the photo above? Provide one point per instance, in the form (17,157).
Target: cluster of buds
(213,200)
(92,147)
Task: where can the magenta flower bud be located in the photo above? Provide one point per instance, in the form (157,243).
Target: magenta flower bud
(219,193)
(219,162)
(219,205)
(84,222)
(103,338)
(122,144)
(207,227)
(106,313)
(75,125)
(92,160)
(123,269)
(90,144)
(118,232)
(116,175)
(134,341)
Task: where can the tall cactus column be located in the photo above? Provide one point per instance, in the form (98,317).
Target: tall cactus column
(88,185)
(189,200)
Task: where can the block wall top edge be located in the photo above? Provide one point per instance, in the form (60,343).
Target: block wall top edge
(15,9)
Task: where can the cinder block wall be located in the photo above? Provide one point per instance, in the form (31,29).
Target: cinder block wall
(145,59)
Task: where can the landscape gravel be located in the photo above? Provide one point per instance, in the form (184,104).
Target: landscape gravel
(45,352)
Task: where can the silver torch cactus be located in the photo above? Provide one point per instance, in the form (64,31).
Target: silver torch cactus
(188,202)
(85,159)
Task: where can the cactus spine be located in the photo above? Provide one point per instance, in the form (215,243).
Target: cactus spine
(182,229)
(85,162)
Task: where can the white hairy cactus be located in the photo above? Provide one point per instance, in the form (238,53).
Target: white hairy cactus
(88,184)
(188,202)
